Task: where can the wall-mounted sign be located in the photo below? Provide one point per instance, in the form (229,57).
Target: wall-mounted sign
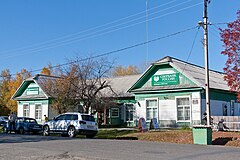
(165,79)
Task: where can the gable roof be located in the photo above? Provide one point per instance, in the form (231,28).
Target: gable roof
(120,85)
(38,79)
(195,73)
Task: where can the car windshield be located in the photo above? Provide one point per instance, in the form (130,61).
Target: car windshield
(5,118)
(88,118)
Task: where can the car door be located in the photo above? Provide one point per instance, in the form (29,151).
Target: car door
(59,123)
(67,122)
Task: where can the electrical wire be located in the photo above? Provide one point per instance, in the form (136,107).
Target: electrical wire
(116,51)
(90,29)
(190,52)
(91,35)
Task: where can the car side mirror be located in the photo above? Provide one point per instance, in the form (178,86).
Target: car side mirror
(54,118)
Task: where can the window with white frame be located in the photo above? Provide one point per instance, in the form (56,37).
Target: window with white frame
(183,109)
(38,111)
(26,110)
(151,109)
(115,112)
(130,111)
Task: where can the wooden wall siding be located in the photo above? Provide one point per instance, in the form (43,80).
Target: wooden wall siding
(168,70)
(232,122)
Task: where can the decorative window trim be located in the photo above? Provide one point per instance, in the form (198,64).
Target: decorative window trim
(38,109)
(149,99)
(127,111)
(112,112)
(190,109)
(26,109)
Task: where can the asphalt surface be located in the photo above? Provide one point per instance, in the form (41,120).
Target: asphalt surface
(37,147)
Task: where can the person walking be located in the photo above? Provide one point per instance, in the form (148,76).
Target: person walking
(45,118)
(12,119)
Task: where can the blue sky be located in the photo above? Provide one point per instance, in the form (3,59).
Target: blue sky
(37,32)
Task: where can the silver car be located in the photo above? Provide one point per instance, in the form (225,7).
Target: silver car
(71,124)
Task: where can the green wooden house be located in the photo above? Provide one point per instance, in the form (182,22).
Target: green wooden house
(173,92)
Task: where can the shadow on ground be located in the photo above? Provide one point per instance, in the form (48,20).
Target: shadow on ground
(17,138)
(222,140)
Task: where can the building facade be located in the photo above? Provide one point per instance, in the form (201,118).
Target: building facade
(170,90)
(173,92)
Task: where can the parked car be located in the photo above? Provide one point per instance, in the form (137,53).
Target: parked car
(24,124)
(3,120)
(71,124)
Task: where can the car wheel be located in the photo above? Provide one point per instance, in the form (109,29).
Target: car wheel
(21,130)
(90,135)
(71,132)
(4,129)
(46,130)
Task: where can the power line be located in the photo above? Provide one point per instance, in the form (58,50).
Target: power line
(118,50)
(189,54)
(87,30)
(91,35)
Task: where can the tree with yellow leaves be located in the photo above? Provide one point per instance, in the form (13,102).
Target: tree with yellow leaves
(9,86)
(122,71)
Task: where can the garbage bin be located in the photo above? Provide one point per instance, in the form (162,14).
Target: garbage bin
(202,135)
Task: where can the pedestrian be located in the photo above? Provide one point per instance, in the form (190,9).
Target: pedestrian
(45,118)
(222,126)
(204,119)
(12,119)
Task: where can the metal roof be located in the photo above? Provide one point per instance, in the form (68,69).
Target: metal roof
(195,73)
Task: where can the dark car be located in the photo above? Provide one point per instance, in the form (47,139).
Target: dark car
(3,120)
(25,124)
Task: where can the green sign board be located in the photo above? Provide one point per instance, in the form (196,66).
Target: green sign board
(165,79)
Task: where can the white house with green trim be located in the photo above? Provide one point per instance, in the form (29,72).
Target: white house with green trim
(173,92)
(35,102)
(170,90)
(32,98)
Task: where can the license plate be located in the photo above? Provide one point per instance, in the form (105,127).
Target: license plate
(90,127)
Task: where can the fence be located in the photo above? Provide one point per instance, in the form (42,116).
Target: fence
(232,122)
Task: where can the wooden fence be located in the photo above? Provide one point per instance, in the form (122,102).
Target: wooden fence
(232,122)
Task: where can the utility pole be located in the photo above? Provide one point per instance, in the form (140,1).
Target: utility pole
(205,27)
(204,24)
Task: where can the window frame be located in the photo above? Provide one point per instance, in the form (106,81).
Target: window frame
(128,111)
(39,118)
(184,109)
(112,112)
(156,107)
(26,110)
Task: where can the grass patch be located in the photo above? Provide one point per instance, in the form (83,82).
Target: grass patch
(113,134)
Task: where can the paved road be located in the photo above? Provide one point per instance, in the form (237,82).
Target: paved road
(31,147)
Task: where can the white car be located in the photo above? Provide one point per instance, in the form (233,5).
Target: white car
(72,123)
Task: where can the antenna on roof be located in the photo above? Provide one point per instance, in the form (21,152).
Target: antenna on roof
(146,33)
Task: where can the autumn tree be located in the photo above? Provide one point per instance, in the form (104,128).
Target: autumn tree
(82,83)
(231,43)
(122,71)
(46,71)
(13,86)
(5,80)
